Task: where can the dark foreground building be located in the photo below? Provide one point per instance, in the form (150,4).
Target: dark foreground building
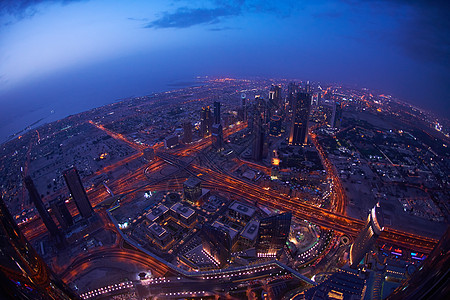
(432,279)
(23,273)
(340,285)
(45,216)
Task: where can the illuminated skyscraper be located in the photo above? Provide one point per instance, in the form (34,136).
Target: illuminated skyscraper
(273,234)
(307,87)
(78,193)
(275,96)
(23,273)
(61,213)
(216,112)
(367,237)
(206,121)
(45,216)
(292,91)
(217,136)
(258,141)
(244,107)
(275,125)
(187,135)
(298,134)
(217,243)
(336,117)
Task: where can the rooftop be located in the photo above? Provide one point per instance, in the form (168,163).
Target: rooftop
(232,232)
(251,230)
(184,211)
(242,208)
(192,182)
(157,212)
(157,230)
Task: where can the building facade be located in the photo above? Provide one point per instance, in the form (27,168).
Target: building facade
(78,192)
(367,237)
(273,234)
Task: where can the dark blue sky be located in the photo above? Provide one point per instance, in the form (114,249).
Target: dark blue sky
(70,56)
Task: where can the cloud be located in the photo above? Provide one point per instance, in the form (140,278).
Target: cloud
(185,17)
(222,28)
(21,9)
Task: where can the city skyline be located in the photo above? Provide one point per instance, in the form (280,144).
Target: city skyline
(140,190)
(71,56)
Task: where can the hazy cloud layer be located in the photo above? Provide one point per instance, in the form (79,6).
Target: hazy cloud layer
(20,9)
(185,17)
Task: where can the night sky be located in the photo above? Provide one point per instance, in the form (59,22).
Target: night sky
(70,56)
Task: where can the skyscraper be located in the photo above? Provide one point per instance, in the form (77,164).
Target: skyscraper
(307,87)
(273,233)
(23,273)
(217,243)
(61,213)
(217,136)
(187,135)
(216,112)
(206,121)
(258,141)
(244,107)
(291,94)
(298,134)
(336,117)
(367,237)
(275,125)
(78,193)
(45,216)
(275,96)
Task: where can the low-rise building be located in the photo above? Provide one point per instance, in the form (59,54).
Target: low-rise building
(159,235)
(157,214)
(183,213)
(240,212)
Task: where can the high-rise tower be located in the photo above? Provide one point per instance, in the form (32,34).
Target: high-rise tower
(23,273)
(45,216)
(298,134)
(367,237)
(78,193)
(336,117)
(61,213)
(217,136)
(216,112)
(273,233)
(244,107)
(292,91)
(275,96)
(187,135)
(258,141)
(206,121)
